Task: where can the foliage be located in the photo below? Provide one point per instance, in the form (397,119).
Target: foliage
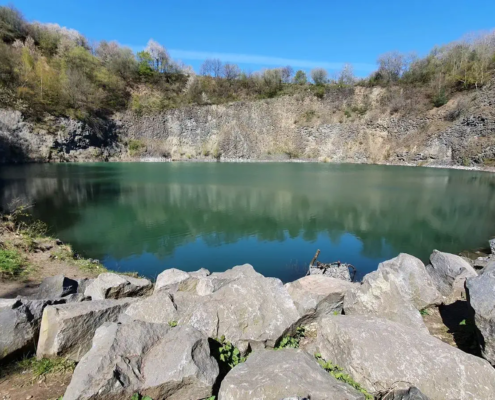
(292,342)
(11,263)
(137,396)
(229,354)
(338,373)
(424,312)
(47,366)
(172,324)
(135,147)
(440,98)
(300,78)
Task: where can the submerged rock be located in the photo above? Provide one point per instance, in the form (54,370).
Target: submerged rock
(481,295)
(150,359)
(287,373)
(67,329)
(114,286)
(449,273)
(379,353)
(241,304)
(317,295)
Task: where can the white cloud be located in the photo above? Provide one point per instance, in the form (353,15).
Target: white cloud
(261,60)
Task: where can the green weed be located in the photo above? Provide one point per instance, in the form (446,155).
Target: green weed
(229,354)
(172,324)
(12,264)
(292,342)
(47,366)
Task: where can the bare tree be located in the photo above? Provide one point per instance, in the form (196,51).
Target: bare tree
(392,65)
(160,57)
(231,71)
(346,76)
(319,76)
(287,73)
(212,67)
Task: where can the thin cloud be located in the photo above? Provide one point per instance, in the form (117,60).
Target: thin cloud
(260,60)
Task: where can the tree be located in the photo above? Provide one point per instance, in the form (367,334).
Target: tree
(346,76)
(231,71)
(287,73)
(212,67)
(319,76)
(119,60)
(144,64)
(159,56)
(392,65)
(300,78)
(12,25)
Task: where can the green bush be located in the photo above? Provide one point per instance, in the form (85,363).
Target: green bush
(11,263)
(135,147)
(440,98)
(229,354)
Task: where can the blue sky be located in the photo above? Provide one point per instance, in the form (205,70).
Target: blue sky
(269,33)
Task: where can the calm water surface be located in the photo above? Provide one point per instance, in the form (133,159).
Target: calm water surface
(148,217)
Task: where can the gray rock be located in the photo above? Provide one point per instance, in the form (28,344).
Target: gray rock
(412,393)
(158,308)
(82,284)
(114,286)
(274,375)
(481,295)
(491,242)
(17,333)
(173,280)
(317,295)
(414,280)
(55,287)
(382,294)
(8,303)
(337,272)
(152,359)
(67,329)
(449,273)
(379,353)
(242,305)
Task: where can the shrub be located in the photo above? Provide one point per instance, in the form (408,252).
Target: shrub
(11,263)
(440,98)
(135,147)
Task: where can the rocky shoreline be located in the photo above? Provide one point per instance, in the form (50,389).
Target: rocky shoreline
(240,335)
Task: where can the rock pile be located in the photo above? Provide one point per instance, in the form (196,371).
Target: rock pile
(186,337)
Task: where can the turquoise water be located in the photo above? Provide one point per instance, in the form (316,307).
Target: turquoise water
(147,217)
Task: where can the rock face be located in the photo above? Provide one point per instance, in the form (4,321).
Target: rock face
(317,295)
(17,333)
(287,373)
(113,286)
(152,359)
(449,273)
(378,353)
(158,308)
(481,295)
(67,330)
(382,294)
(56,287)
(242,305)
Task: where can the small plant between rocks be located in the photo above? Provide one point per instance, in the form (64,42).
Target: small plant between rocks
(292,342)
(229,354)
(338,373)
(45,366)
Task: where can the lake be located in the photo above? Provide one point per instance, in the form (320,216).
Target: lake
(147,217)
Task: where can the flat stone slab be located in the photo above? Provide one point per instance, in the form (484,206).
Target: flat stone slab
(286,373)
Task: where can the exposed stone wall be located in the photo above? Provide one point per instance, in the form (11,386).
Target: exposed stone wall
(352,125)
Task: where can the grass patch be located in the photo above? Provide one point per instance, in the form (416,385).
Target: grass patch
(338,373)
(45,366)
(65,253)
(12,263)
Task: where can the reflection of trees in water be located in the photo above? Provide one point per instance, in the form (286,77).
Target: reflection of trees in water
(411,210)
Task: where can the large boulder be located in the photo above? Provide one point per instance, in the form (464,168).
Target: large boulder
(317,295)
(415,282)
(244,306)
(382,294)
(279,374)
(173,280)
(158,308)
(55,287)
(113,286)
(379,353)
(152,359)
(412,393)
(481,295)
(67,329)
(20,324)
(449,273)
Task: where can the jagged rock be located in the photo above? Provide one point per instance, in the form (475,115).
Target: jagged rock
(379,353)
(82,284)
(491,242)
(338,272)
(158,308)
(317,295)
(412,393)
(55,287)
(271,374)
(152,359)
(173,280)
(415,282)
(241,304)
(449,273)
(481,295)
(17,333)
(67,329)
(114,286)
(382,294)
(8,303)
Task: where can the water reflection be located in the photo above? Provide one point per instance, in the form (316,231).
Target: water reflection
(152,216)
